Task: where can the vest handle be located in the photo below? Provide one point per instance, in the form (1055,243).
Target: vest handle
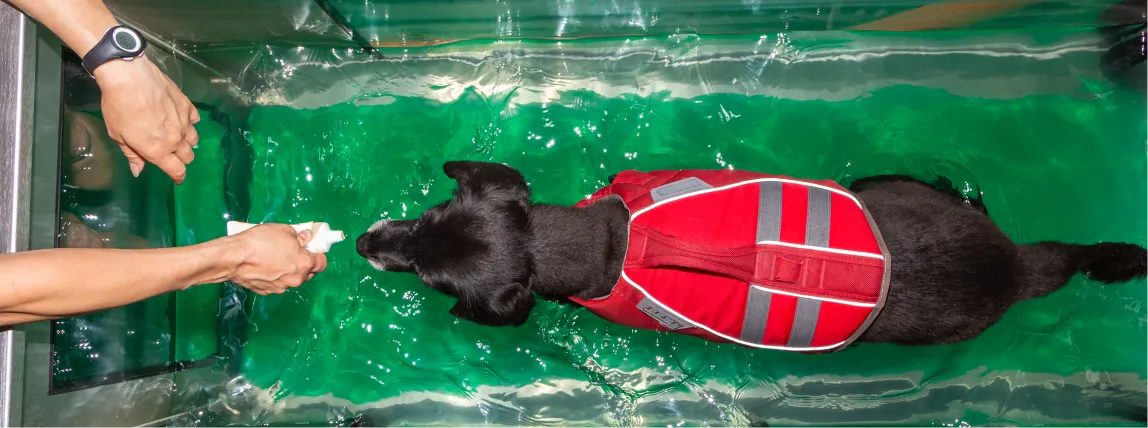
(751,263)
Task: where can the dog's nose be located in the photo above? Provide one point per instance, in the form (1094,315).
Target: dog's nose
(362,244)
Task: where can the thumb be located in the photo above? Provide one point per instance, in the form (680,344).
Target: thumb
(136,165)
(135,162)
(304,237)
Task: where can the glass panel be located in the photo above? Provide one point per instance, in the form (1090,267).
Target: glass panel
(245,21)
(103,206)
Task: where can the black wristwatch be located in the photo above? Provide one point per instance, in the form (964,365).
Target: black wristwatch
(120,42)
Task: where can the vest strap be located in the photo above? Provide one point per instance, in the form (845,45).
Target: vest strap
(756,315)
(804,323)
(817,217)
(769,212)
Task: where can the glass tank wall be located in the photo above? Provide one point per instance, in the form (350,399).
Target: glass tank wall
(345,111)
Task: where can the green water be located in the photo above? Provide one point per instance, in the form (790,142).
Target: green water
(355,340)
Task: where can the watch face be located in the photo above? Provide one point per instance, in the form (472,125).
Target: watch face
(126,39)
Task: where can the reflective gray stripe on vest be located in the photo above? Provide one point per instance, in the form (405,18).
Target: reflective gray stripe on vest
(768,229)
(756,315)
(769,212)
(817,219)
(678,188)
(804,323)
(661,315)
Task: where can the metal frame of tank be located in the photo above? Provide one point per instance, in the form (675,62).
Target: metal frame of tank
(17,51)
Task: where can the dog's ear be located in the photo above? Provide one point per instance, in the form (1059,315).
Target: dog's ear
(507,305)
(487,180)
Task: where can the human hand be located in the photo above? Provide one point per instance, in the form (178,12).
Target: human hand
(148,116)
(273,259)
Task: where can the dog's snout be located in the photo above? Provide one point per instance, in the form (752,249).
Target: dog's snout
(362,245)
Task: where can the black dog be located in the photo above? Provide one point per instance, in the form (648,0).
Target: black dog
(492,248)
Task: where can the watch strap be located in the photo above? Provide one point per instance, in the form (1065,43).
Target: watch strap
(107,50)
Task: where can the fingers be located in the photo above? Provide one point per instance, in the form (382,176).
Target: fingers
(190,136)
(186,113)
(145,111)
(173,125)
(264,288)
(178,138)
(255,286)
(320,263)
(185,153)
(182,106)
(135,163)
(304,237)
(173,167)
(309,264)
(136,166)
(193,115)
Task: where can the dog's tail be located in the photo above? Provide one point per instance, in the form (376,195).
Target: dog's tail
(1045,267)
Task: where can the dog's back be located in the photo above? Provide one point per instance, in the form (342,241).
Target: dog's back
(955,273)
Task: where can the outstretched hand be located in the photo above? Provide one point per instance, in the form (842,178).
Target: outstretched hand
(150,118)
(273,259)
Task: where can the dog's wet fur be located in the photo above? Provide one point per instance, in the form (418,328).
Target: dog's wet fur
(955,273)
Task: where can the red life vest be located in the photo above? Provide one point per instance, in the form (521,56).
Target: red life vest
(759,260)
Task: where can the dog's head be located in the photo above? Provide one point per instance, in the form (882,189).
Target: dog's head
(472,247)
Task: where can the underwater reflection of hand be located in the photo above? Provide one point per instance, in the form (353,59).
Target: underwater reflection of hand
(272,259)
(148,116)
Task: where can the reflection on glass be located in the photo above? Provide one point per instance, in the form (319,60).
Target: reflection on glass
(103,206)
(91,217)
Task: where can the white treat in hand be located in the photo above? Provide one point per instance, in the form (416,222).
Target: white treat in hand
(322,237)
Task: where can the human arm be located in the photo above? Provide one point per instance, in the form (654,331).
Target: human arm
(146,113)
(46,284)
